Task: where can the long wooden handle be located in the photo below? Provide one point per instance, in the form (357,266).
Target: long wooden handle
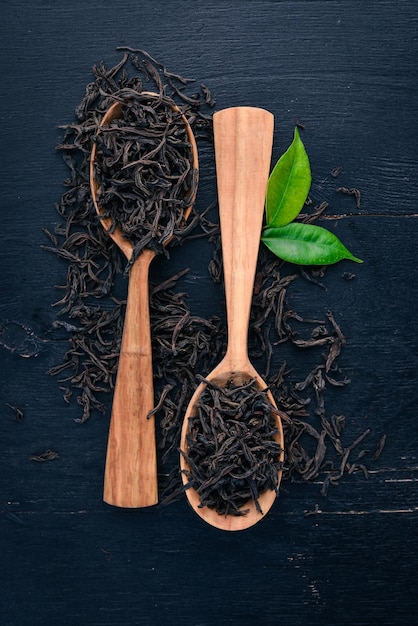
(130,479)
(243,144)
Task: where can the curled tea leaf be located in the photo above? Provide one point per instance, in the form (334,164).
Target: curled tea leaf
(306,244)
(288,184)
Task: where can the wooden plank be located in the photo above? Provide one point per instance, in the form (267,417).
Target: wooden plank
(345,70)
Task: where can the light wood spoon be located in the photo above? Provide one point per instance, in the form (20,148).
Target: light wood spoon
(243,144)
(130,478)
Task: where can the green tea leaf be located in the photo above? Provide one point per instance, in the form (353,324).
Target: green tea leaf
(288,185)
(306,244)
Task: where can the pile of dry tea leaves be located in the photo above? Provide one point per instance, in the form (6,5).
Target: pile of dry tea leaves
(231,448)
(91,309)
(143,170)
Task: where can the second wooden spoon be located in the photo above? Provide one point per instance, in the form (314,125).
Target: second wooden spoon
(243,143)
(130,479)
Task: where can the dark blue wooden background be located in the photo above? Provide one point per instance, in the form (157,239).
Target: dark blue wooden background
(348,70)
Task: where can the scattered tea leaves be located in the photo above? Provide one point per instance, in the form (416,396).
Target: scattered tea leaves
(48,455)
(352,191)
(18,412)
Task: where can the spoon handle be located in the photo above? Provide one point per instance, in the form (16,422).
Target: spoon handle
(130,479)
(243,144)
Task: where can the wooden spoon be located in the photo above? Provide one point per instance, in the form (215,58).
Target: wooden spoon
(130,478)
(243,143)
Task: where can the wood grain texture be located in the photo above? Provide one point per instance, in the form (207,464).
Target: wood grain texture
(243,142)
(130,478)
(346,70)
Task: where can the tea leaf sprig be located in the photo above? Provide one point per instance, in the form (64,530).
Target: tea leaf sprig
(287,191)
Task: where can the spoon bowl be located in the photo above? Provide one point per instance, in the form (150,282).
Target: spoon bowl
(243,142)
(130,478)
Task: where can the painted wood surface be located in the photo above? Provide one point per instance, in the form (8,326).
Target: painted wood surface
(347,71)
